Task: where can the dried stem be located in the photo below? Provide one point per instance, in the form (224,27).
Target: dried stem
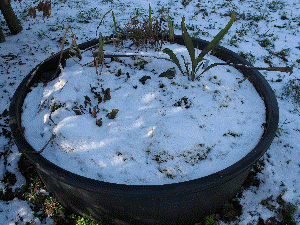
(42,105)
(287,69)
(102,20)
(128,55)
(38,152)
(51,119)
(73,44)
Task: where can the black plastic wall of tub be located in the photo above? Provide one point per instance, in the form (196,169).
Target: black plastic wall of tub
(177,203)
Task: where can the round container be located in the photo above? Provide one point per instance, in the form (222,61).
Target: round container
(178,203)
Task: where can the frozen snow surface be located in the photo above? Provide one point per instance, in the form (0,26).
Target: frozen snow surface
(266,32)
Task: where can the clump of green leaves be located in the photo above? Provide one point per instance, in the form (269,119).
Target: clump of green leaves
(210,220)
(190,47)
(80,220)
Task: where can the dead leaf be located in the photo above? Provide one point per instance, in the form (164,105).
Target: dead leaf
(30,222)
(94,113)
(144,78)
(46,9)
(32,12)
(99,122)
(106,94)
(40,6)
(112,114)
(266,203)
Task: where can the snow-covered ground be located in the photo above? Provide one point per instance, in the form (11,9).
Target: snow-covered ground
(266,32)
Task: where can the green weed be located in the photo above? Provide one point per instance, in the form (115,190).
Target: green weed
(85,16)
(280,131)
(42,35)
(266,43)
(52,207)
(286,210)
(185,2)
(256,18)
(275,5)
(107,1)
(210,220)
(292,90)
(80,220)
(283,54)
(249,56)
(234,41)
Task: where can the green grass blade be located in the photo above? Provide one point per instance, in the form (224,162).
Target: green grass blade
(174,58)
(216,39)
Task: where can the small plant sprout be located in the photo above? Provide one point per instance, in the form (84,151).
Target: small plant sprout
(150,19)
(171,29)
(100,55)
(115,24)
(190,47)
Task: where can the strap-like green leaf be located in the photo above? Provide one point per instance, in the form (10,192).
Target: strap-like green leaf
(216,40)
(209,67)
(150,19)
(174,58)
(188,42)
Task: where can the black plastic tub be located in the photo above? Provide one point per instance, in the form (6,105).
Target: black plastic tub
(177,203)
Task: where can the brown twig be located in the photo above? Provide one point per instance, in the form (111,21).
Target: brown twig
(287,69)
(77,53)
(102,20)
(78,62)
(51,119)
(62,47)
(120,55)
(38,152)
(94,46)
(42,106)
